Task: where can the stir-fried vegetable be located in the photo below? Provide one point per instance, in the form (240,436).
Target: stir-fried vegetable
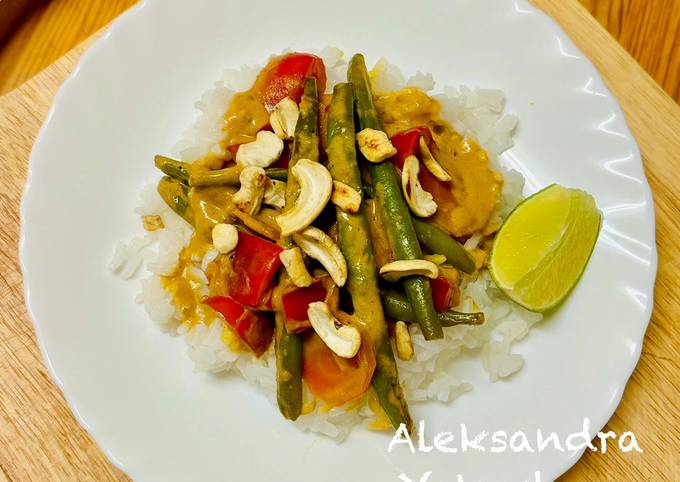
(229,176)
(333,379)
(407,143)
(356,246)
(396,216)
(288,349)
(172,168)
(397,307)
(439,242)
(296,302)
(287,78)
(176,195)
(338,346)
(254,265)
(442,293)
(253,328)
(288,345)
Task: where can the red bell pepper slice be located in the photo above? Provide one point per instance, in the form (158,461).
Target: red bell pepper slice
(253,328)
(407,143)
(284,160)
(254,265)
(286,78)
(442,293)
(296,302)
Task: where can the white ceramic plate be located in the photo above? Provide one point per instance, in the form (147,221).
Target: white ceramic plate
(132,96)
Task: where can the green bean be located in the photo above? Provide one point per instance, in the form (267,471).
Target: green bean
(229,176)
(221,177)
(288,346)
(277,173)
(305,138)
(439,242)
(288,349)
(176,195)
(397,307)
(355,242)
(394,210)
(368,191)
(175,169)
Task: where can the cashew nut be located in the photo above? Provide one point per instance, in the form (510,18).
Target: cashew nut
(403,341)
(284,117)
(375,145)
(435,258)
(346,197)
(419,200)
(316,185)
(152,222)
(343,340)
(318,245)
(274,193)
(409,267)
(295,267)
(225,237)
(249,197)
(431,163)
(264,151)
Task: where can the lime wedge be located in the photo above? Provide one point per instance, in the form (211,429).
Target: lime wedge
(542,249)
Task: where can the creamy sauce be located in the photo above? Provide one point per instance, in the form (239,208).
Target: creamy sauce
(211,206)
(245,117)
(466,207)
(246,114)
(467,202)
(183,284)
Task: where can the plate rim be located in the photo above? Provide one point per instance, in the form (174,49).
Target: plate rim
(125,19)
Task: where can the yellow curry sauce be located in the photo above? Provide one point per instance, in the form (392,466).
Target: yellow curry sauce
(244,118)
(472,196)
(246,115)
(469,199)
(467,202)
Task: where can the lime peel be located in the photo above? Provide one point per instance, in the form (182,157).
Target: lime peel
(544,246)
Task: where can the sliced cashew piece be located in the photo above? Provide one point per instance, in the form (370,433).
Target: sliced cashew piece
(419,200)
(284,117)
(274,193)
(318,245)
(343,340)
(249,197)
(431,163)
(264,151)
(375,145)
(403,341)
(225,237)
(435,258)
(152,222)
(295,267)
(346,197)
(409,267)
(316,185)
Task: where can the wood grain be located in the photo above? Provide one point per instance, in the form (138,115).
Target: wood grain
(51,30)
(39,437)
(40,440)
(650,31)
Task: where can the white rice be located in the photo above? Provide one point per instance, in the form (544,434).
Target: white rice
(477,113)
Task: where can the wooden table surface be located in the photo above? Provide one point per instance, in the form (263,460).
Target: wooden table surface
(41,440)
(648,29)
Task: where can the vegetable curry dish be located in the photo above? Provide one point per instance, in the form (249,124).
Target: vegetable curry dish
(340,220)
